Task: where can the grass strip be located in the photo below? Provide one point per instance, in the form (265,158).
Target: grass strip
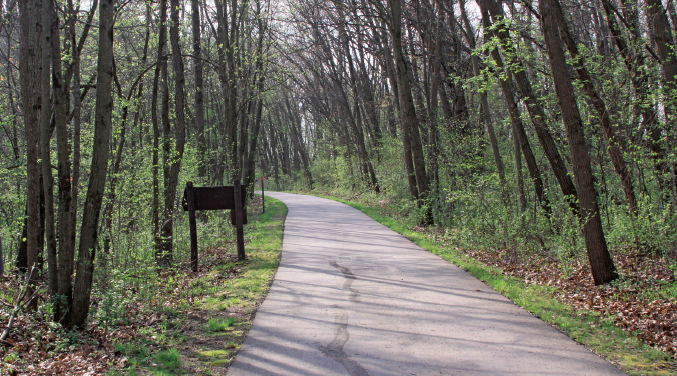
(598,334)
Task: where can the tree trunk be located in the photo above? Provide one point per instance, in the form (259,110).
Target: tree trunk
(609,132)
(99,168)
(534,107)
(45,149)
(409,119)
(199,87)
(484,101)
(30,66)
(159,83)
(404,130)
(173,162)
(66,229)
(603,269)
(507,87)
(665,47)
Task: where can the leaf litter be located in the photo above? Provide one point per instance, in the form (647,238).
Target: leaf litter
(641,302)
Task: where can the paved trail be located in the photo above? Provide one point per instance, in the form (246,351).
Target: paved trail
(352,297)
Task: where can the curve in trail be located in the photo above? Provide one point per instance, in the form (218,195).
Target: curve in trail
(352,297)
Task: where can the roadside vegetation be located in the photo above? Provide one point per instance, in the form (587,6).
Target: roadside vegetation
(147,322)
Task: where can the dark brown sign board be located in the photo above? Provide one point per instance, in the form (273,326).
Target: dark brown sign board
(215,198)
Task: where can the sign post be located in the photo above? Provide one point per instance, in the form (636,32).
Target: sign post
(262,183)
(190,197)
(238,221)
(263,195)
(215,198)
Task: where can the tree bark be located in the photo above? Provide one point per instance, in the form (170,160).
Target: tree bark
(66,229)
(609,132)
(533,106)
(45,149)
(603,269)
(199,87)
(507,87)
(159,83)
(30,66)
(173,160)
(99,168)
(409,119)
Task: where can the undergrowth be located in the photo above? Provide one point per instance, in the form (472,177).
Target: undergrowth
(146,322)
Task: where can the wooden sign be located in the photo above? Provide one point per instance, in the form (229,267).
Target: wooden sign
(215,198)
(212,198)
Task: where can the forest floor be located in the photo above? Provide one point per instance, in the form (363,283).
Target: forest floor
(631,322)
(193,323)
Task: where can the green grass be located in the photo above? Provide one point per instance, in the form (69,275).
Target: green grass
(626,351)
(220,324)
(168,360)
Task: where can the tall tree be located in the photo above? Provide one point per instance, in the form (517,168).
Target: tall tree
(173,158)
(609,132)
(408,111)
(534,106)
(30,65)
(199,84)
(603,269)
(665,47)
(99,168)
(160,88)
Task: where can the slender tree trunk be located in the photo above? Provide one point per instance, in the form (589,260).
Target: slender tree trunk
(66,230)
(518,168)
(30,66)
(99,168)
(603,269)
(433,116)
(199,87)
(159,80)
(507,87)
(410,121)
(609,132)
(77,109)
(534,107)
(250,164)
(484,101)
(45,136)
(173,161)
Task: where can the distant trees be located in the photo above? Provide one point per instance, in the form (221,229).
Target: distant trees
(440,68)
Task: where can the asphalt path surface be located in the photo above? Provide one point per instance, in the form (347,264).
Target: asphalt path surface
(352,297)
